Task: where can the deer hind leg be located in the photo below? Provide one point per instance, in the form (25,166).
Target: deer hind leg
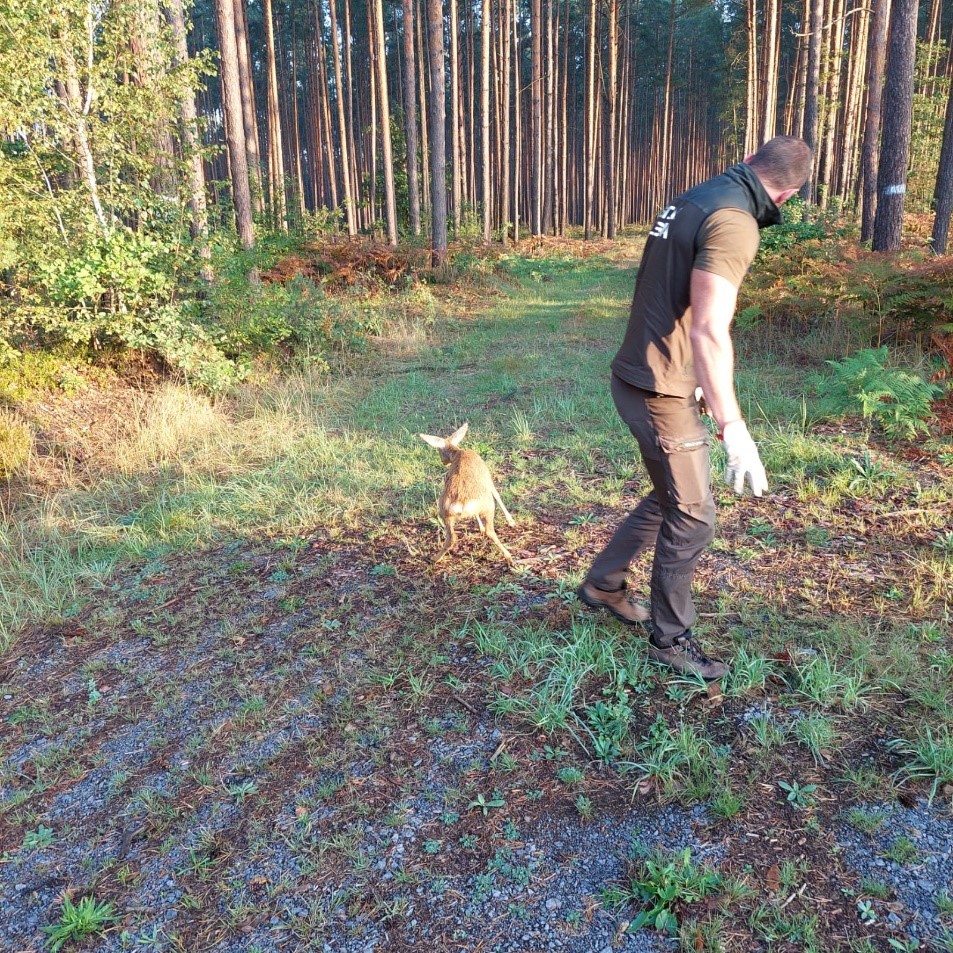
(491,533)
(451,537)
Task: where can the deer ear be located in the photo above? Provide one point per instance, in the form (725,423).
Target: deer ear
(458,435)
(438,443)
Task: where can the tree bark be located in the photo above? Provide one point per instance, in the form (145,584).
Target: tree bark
(610,117)
(438,143)
(276,159)
(536,123)
(343,133)
(944,184)
(897,126)
(410,116)
(517,123)
(234,124)
(876,54)
(590,150)
(390,197)
(249,110)
(485,115)
(455,117)
(811,93)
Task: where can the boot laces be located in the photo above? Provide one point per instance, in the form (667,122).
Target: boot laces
(686,644)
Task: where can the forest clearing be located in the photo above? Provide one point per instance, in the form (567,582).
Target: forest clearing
(252,250)
(251,716)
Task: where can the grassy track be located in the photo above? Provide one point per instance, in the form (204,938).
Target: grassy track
(241,708)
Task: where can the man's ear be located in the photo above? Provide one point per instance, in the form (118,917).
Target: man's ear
(785,195)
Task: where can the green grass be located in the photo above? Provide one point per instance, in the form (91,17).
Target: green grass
(309,503)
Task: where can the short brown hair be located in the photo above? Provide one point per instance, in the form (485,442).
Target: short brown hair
(784,162)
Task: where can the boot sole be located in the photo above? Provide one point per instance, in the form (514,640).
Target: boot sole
(596,604)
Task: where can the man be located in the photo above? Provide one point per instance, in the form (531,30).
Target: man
(678,339)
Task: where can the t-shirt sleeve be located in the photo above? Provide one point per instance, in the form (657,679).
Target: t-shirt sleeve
(726,244)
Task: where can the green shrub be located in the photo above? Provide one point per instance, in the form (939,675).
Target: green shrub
(899,401)
(793,230)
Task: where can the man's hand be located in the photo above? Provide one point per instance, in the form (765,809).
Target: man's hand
(743,459)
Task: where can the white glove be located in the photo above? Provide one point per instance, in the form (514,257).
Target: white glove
(743,459)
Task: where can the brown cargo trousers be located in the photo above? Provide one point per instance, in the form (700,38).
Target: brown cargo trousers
(677,517)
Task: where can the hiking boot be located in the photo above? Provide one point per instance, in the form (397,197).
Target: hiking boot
(617,601)
(686,656)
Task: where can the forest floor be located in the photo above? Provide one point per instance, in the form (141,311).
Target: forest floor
(273,725)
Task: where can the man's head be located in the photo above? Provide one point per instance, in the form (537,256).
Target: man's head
(783,165)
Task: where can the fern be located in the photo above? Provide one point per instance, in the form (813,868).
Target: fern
(897,400)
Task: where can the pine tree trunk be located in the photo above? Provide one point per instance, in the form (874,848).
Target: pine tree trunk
(438,144)
(485,114)
(410,116)
(876,56)
(590,151)
(249,110)
(769,55)
(897,126)
(343,134)
(352,166)
(423,79)
(536,123)
(811,92)
(276,160)
(751,124)
(455,117)
(517,122)
(944,184)
(505,67)
(297,153)
(390,196)
(610,117)
(234,124)
(854,95)
(324,107)
(548,144)
(835,56)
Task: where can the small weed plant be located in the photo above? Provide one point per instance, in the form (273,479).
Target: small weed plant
(77,921)
(664,883)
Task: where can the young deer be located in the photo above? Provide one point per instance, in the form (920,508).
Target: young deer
(468,490)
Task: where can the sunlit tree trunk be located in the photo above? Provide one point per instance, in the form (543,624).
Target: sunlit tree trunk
(410,116)
(612,13)
(536,118)
(517,122)
(751,124)
(424,113)
(276,161)
(455,117)
(249,111)
(344,144)
(590,151)
(809,129)
(944,184)
(897,126)
(234,125)
(876,57)
(438,144)
(485,115)
(390,197)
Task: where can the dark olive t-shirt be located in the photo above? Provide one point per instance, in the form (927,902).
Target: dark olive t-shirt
(656,353)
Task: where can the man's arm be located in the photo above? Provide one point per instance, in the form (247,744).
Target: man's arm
(713,301)
(713,307)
